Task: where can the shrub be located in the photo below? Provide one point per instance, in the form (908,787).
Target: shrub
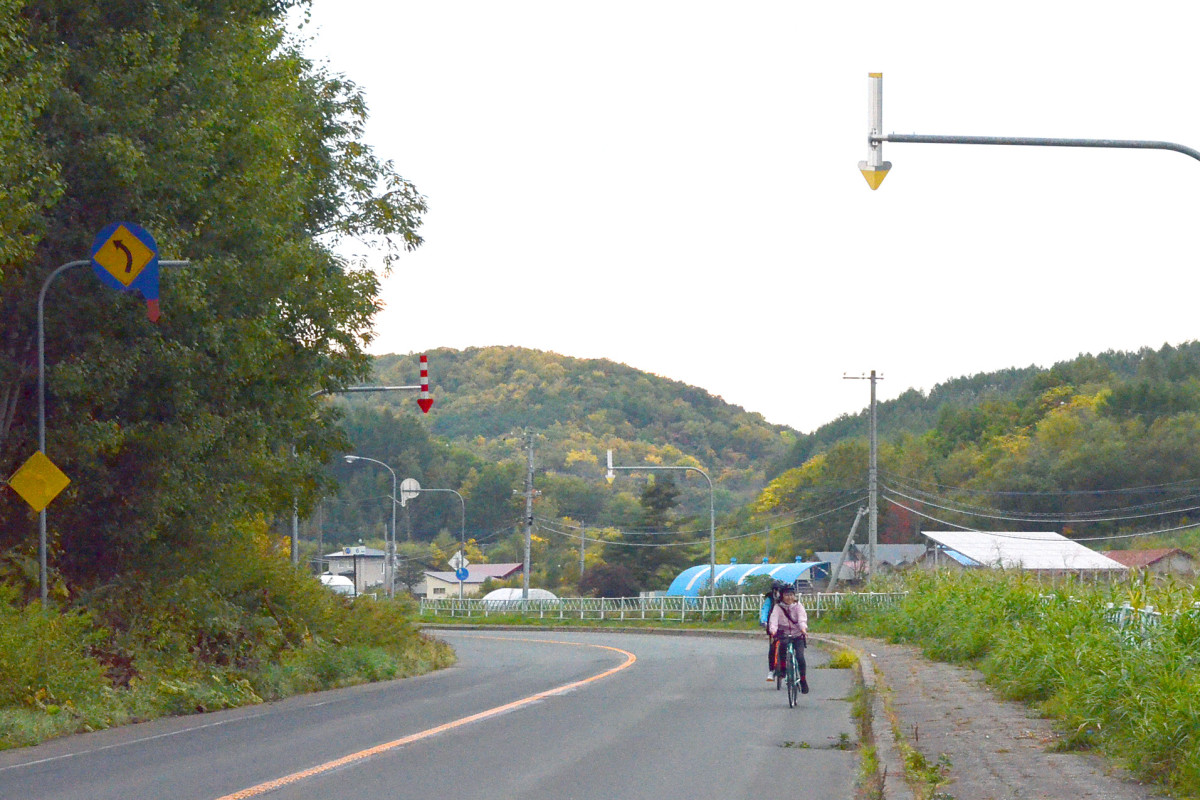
(44,658)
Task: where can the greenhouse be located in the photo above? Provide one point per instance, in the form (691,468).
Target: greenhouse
(731,577)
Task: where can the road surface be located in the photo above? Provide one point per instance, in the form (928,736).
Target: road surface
(536,715)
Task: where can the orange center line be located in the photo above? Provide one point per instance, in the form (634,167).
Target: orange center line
(272,785)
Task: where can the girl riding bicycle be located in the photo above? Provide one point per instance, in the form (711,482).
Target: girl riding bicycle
(789,623)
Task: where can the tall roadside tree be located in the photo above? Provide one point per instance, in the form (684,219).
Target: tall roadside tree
(29,181)
(203,122)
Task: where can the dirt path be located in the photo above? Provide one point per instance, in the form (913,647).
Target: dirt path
(994,749)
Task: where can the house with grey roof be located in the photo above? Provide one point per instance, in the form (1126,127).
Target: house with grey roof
(444,584)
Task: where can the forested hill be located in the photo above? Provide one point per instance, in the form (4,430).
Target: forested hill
(1156,376)
(1099,446)
(582,407)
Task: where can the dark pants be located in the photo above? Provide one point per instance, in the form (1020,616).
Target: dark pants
(779,656)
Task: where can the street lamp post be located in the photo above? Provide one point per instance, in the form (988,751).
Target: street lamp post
(712,517)
(874,169)
(295,501)
(389,558)
(462,534)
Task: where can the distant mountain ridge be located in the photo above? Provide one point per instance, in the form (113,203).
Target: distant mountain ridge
(581,407)
(917,413)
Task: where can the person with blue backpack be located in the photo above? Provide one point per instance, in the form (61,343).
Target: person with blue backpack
(770,600)
(788,626)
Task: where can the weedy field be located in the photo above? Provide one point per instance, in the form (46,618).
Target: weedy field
(1118,664)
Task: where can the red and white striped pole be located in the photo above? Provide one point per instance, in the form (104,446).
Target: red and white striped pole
(424,400)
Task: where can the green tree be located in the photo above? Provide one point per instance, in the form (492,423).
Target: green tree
(488,492)
(204,123)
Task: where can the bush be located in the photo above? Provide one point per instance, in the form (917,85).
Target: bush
(44,657)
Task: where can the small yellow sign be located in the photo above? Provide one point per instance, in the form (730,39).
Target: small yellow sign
(38,481)
(124,255)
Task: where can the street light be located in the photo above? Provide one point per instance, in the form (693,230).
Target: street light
(712,517)
(424,389)
(875,169)
(462,531)
(391,548)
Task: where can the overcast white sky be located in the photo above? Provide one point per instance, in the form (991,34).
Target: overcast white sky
(674,185)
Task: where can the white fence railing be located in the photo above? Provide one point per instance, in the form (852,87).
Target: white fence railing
(1136,624)
(637,608)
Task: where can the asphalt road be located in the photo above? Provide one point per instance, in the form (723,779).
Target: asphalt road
(642,716)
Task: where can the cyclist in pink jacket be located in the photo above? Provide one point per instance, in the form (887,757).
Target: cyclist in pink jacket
(789,622)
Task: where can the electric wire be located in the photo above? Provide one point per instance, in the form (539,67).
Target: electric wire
(619,543)
(1057,520)
(1123,490)
(546,525)
(1047,515)
(1189,526)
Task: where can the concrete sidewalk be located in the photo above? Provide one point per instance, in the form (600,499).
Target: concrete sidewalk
(989,748)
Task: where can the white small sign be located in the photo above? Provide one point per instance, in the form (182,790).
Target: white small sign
(409,488)
(458,561)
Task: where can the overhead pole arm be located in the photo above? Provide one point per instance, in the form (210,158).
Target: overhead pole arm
(1033,141)
(875,169)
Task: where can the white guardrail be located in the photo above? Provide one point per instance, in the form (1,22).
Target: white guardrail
(1135,624)
(677,608)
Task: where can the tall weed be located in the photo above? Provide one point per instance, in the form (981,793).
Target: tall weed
(44,659)
(1131,692)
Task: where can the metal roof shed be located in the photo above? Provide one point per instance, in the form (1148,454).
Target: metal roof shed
(1031,550)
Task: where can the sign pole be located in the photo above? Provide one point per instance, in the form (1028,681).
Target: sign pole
(41,394)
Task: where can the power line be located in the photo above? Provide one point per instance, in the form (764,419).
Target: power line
(725,526)
(1034,539)
(1054,520)
(546,526)
(1124,490)
(855,502)
(618,543)
(1045,515)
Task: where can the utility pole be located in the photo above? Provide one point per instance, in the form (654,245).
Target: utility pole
(582,542)
(528,510)
(872,477)
(837,568)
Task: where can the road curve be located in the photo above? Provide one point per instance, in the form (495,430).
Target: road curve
(537,715)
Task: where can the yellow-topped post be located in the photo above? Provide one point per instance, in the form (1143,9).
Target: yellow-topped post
(874,169)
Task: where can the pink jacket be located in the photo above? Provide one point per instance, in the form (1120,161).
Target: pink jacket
(788,621)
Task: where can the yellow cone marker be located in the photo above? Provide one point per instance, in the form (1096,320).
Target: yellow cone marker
(874,175)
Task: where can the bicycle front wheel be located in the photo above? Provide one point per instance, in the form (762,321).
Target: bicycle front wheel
(793,676)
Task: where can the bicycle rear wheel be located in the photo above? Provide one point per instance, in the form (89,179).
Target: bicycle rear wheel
(793,676)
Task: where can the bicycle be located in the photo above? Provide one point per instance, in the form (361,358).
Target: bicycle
(789,674)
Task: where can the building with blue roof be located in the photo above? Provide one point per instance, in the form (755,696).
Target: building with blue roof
(732,576)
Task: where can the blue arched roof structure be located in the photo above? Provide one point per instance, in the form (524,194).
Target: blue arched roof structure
(694,580)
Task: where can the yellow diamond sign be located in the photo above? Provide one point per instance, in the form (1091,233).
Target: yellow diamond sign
(38,481)
(123,255)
